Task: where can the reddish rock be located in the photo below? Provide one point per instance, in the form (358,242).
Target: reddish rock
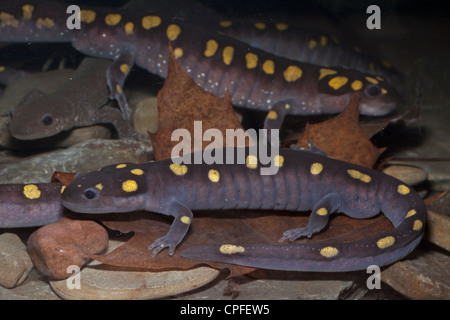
(57,246)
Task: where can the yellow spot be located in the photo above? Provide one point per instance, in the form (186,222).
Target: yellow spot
(87,16)
(149,22)
(112,19)
(272,115)
(178,169)
(44,23)
(316,168)
(185,219)
(336,40)
(137,172)
(31,191)
(129,28)
(2,68)
(292,73)
(323,41)
(129,186)
(312,44)
(120,166)
(214,175)
(325,72)
(63,188)
(329,252)
(411,213)
(227,54)
(119,89)
(225,23)
(99,186)
(260,25)
(8,20)
(269,67)
(281,26)
(372,80)
(251,60)
(278,161)
(173,31)
(251,162)
(357,85)
(287,106)
(338,82)
(124,68)
(322,212)
(231,249)
(402,189)
(178,52)
(27,11)
(417,225)
(359,175)
(385,242)
(211,48)
(384,91)
(371,66)
(379,78)
(386,64)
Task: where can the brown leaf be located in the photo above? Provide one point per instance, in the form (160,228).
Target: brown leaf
(216,227)
(65,178)
(342,138)
(180,103)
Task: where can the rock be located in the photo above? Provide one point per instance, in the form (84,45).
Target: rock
(438,230)
(98,281)
(408,174)
(57,246)
(35,287)
(423,275)
(145,116)
(83,157)
(15,263)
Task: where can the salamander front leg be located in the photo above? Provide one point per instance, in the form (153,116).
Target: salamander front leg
(180,226)
(318,219)
(116,76)
(275,117)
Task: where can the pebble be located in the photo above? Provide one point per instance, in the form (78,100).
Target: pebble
(57,248)
(408,174)
(145,115)
(15,263)
(97,281)
(83,157)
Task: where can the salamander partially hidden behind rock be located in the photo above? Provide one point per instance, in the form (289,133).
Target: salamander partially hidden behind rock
(80,101)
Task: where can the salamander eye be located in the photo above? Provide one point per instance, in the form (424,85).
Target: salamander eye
(47,119)
(373,91)
(90,194)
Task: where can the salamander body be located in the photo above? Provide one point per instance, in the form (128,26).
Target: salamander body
(302,181)
(255,78)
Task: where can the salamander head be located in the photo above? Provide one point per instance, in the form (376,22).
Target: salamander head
(115,188)
(41,118)
(377,97)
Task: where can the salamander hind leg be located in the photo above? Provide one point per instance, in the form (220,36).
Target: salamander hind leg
(180,226)
(318,219)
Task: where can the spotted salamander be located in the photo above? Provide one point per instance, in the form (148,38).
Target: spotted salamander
(30,205)
(303,181)
(255,79)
